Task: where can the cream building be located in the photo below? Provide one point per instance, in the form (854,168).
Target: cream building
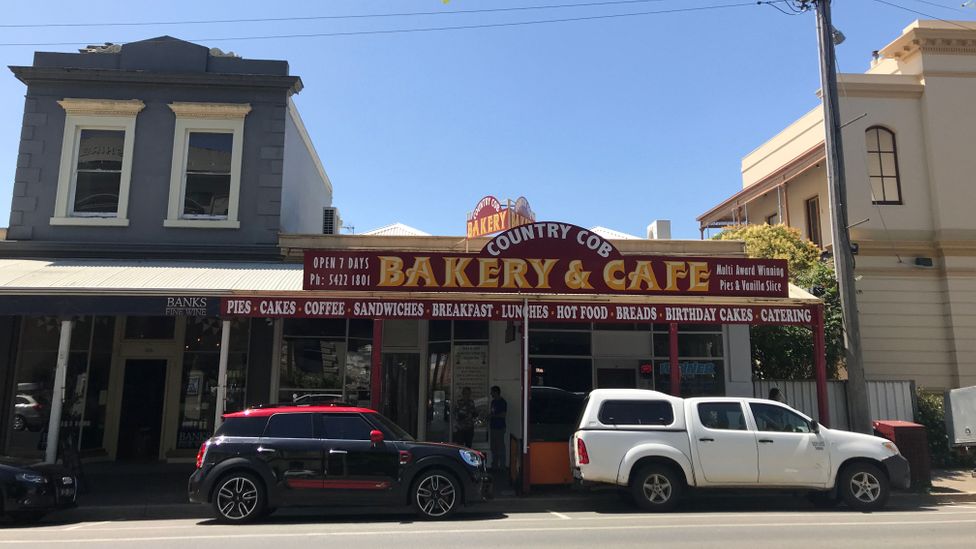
(910,150)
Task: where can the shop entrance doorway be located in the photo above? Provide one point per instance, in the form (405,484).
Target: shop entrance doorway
(140,422)
(401,389)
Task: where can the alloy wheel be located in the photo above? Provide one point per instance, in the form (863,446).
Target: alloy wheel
(436,495)
(237,498)
(19,423)
(865,487)
(657,488)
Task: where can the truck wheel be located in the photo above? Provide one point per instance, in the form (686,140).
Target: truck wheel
(239,498)
(656,488)
(864,487)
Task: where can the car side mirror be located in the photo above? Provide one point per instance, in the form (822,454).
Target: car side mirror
(376,436)
(814,427)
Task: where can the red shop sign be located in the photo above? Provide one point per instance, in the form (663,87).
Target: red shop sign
(406,309)
(545,257)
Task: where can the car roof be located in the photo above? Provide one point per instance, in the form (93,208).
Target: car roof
(265,412)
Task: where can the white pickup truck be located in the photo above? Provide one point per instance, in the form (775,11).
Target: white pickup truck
(657,446)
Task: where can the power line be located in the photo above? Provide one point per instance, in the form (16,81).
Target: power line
(903,8)
(325,17)
(438,29)
(943,6)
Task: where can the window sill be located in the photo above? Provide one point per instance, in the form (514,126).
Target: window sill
(90,221)
(202,223)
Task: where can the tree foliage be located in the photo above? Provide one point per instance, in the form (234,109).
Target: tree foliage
(786,352)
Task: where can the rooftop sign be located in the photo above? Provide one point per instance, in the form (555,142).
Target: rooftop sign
(490,216)
(545,257)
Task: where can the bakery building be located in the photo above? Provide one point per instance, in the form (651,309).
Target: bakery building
(172,255)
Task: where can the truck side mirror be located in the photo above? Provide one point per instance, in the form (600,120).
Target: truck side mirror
(814,426)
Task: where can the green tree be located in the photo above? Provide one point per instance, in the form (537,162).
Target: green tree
(786,352)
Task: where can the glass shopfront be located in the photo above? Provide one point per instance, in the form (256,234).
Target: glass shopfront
(457,364)
(325,360)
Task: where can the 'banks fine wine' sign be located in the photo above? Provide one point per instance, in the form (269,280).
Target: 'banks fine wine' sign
(545,257)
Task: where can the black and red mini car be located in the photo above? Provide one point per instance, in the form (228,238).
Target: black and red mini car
(285,456)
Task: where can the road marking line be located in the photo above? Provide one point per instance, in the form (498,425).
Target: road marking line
(401,532)
(82,525)
(560,515)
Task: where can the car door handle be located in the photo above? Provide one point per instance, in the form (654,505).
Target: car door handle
(333,451)
(765,441)
(263,450)
(706,440)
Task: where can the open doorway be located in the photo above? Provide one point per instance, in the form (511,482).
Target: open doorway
(140,422)
(401,389)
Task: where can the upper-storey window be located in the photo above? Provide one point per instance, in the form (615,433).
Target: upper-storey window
(96,162)
(205,181)
(883,166)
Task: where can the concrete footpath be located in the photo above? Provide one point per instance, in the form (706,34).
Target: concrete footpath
(161,495)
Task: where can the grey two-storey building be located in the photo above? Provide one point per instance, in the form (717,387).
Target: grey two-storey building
(152,178)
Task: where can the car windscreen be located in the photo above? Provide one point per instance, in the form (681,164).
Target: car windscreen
(390,429)
(242,427)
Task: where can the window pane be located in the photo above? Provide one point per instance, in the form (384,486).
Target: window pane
(570,374)
(343,427)
(722,415)
(699,345)
(150,327)
(207,194)
(470,329)
(242,427)
(97,192)
(100,150)
(290,426)
(209,152)
(886,140)
(559,343)
(888,166)
(877,189)
(871,139)
(310,366)
(874,164)
(636,412)
(778,419)
(891,190)
(439,330)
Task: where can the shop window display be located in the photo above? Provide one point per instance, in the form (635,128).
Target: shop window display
(201,365)
(325,360)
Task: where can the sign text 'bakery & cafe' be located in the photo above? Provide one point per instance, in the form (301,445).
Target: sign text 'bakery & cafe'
(544,257)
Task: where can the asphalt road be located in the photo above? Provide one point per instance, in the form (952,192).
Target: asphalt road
(697,526)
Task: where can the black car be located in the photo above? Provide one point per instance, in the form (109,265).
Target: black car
(264,458)
(31,491)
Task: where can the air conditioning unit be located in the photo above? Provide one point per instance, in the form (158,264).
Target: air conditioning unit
(331,222)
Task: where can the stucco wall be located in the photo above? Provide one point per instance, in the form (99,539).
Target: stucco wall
(304,190)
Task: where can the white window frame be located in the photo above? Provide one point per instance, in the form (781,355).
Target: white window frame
(209,118)
(94,114)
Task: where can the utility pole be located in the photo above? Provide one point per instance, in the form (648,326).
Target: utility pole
(857,397)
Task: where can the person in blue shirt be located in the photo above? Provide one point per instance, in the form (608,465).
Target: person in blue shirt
(496,424)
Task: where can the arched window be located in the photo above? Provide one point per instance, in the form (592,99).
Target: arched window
(883,166)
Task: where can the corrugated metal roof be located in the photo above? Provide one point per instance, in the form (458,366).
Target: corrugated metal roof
(611,234)
(81,275)
(396,229)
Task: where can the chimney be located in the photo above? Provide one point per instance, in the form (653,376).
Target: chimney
(659,229)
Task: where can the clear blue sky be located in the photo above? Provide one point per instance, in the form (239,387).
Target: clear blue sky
(611,122)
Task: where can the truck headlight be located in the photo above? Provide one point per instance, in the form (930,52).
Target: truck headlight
(31,478)
(471,457)
(891,447)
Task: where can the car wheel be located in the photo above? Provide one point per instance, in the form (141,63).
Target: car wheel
(19,423)
(823,500)
(27,517)
(864,487)
(238,498)
(656,488)
(436,494)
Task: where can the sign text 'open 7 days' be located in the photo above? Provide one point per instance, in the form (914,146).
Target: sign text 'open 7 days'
(545,257)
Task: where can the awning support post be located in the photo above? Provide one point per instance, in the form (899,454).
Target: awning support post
(673,359)
(376,367)
(57,396)
(526,387)
(222,374)
(820,364)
